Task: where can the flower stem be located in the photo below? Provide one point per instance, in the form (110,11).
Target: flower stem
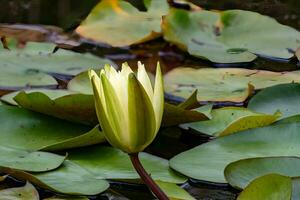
(146,177)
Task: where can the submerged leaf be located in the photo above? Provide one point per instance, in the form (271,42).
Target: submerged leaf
(229,120)
(230,84)
(268,187)
(118,23)
(27,192)
(230,36)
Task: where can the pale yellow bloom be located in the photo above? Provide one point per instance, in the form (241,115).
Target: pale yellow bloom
(129,109)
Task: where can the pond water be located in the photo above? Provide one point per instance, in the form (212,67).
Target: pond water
(67,14)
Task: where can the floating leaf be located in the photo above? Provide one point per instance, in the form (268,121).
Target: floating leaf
(229,120)
(33,161)
(32,131)
(27,192)
(77,108)
(208,161)
(268,187)
(67,198)
(68,179)
(118,23)
(240,173)
(174,192)
(111,163)
(230,36)
(230,84)
(32,65)
(296,188)
(285,98)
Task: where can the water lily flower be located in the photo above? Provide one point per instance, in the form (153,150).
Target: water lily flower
(129,109)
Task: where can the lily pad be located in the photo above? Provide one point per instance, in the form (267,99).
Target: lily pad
(229,120)
(33,131)
(268,187)
(231,36)
(240,173)
(284,97)
(33,65)
(27,192)
(118,23)
(32,161)
(230,84)
(208,161)
(174,192)
(111,163)
(65,105)
(68,179)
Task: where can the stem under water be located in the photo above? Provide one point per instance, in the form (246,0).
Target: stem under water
(146,177)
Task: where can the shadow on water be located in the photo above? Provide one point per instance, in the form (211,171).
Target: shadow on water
(67,14)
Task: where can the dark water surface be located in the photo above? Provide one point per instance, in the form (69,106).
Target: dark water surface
(67,14)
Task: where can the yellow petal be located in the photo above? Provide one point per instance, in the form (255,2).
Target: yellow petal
(141,116)
(144,80)
(158,97)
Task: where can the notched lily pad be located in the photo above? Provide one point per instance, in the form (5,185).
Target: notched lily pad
(284,97)
(208,161)
(118,23)
(28,130)
(115,164)
(223,85)
(33,65)
(231,36)
(67,179)
(229,120)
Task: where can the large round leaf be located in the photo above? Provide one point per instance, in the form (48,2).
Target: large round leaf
(68,179)
(285,98)
(268,187)
(208,161)
(33,161)
(230,84)
(32,65)
(111,163)
(230,36)
(118,23)
(32,131)
(229,120)
(240,173)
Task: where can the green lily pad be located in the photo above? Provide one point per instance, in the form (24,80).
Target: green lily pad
(111,163)
(284,97)
(229,120)
(65,105)
(295,188)
(32,131)
(240,173)
(67,198)
(174,191)
(231,36)
(109,20)
(208,161)
(230,84)
(33,161)
(268,187)
(27,192)
(67,179)
(32,65)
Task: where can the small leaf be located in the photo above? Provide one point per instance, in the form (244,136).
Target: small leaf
(268,187)
(27,192)
(174,192)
